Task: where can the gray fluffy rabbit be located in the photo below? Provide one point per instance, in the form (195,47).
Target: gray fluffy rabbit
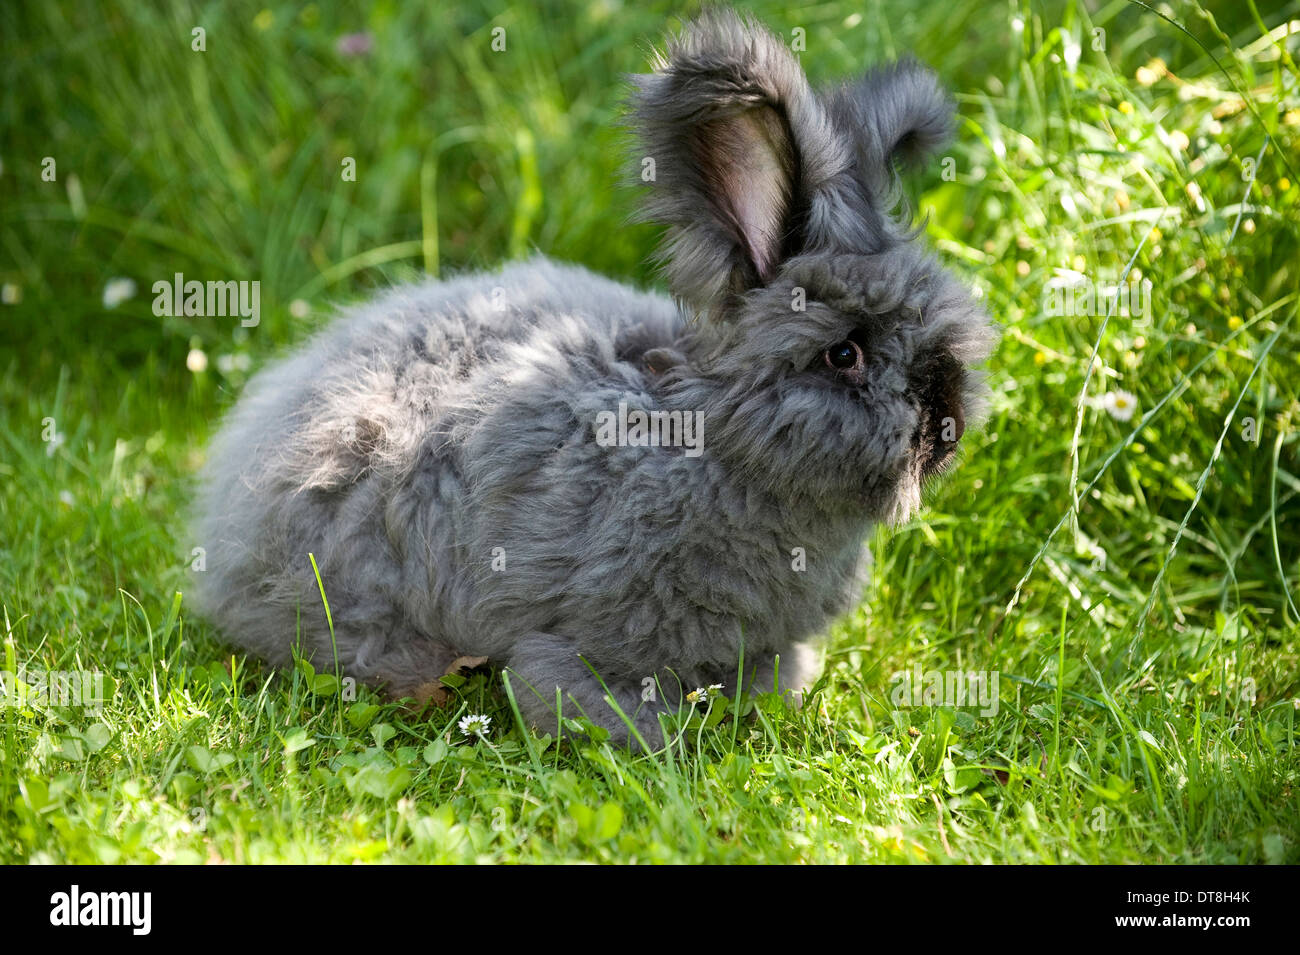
(606,493)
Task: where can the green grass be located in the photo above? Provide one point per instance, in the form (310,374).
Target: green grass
(1148,665)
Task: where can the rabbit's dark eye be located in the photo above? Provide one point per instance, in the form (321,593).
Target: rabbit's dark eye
(843,357)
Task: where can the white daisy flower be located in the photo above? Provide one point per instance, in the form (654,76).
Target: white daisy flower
(11,294)
(117,291)
(299,308)
(701,694)
(1071,51)
(1120,405)
(476,724)
(197,360)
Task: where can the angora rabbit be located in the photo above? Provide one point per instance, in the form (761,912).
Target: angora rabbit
(606,492)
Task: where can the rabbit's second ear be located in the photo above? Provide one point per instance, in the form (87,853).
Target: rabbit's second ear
(718,156)
(899,115)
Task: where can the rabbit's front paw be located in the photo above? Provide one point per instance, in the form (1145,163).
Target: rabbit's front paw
(558,682)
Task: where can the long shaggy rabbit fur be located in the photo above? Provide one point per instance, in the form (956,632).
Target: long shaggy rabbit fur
(438,449)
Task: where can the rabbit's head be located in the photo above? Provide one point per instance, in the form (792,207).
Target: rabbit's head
(833,356)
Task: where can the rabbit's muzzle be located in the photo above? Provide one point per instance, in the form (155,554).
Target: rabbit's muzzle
(939,389)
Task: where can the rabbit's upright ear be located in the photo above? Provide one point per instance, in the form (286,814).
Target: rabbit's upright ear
(719,126)
(898,115)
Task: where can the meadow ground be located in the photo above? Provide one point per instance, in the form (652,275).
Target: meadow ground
(1119,544)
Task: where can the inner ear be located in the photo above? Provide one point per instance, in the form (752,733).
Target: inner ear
(747,162)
